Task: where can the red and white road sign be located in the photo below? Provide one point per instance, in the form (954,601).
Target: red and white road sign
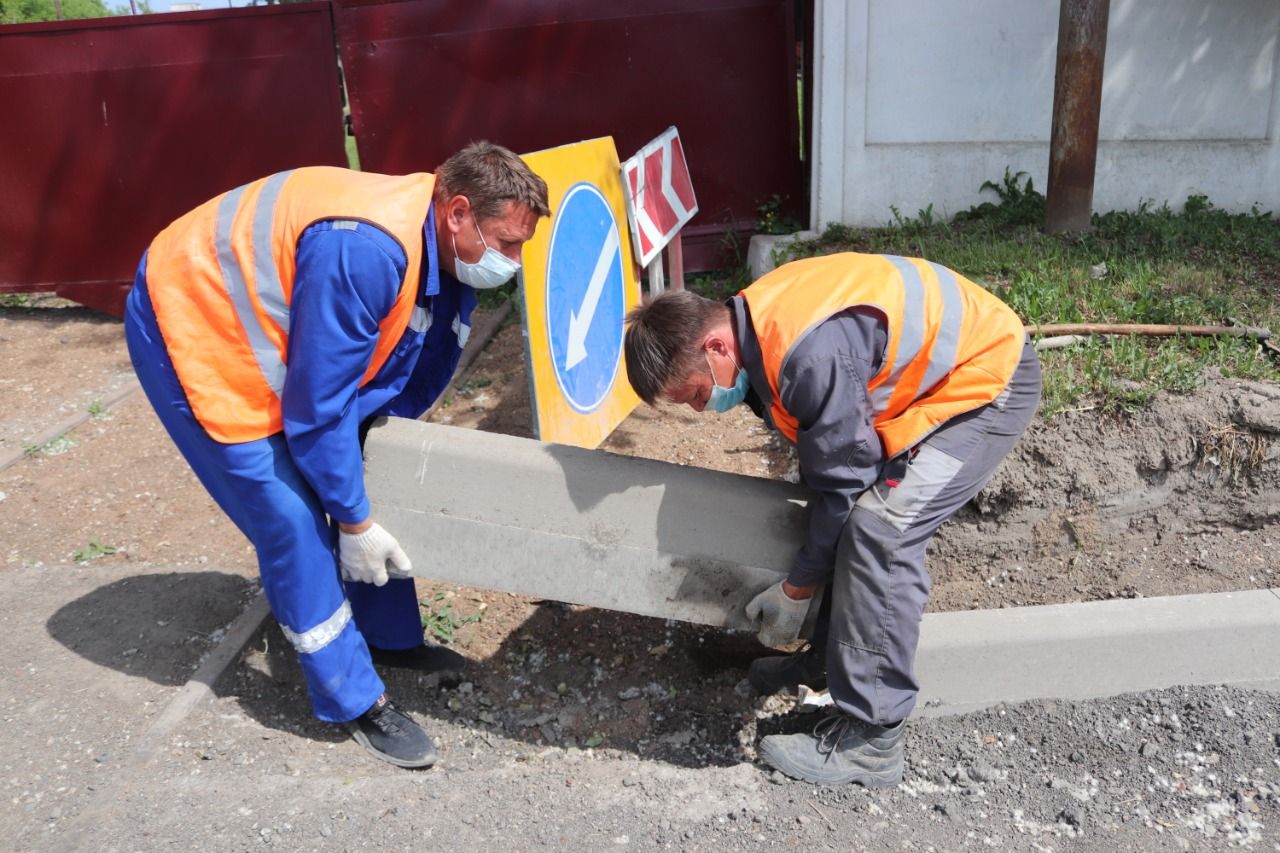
(659,194)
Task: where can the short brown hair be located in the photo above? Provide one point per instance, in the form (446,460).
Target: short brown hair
(663,339)
(490,176)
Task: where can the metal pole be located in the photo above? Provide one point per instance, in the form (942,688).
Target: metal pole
(657,281)
(675,257)
(1077,102)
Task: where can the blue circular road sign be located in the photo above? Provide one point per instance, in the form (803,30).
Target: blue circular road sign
(586,297)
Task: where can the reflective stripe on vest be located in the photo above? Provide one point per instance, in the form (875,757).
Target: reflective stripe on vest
(266,279)
(942,356)
(946,343)
(951,345)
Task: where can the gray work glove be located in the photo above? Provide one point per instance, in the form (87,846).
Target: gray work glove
(780,615)
(364,556)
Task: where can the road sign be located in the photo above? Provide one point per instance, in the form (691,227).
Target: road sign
(659,194)
(584,281)
(577,283)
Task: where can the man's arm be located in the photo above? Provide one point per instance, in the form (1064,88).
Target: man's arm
(346,283)
(824,385)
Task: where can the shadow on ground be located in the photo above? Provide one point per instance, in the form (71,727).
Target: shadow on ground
(53,317)
(155,626)
(567,676)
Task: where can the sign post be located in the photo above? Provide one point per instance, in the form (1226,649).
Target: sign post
(660,200)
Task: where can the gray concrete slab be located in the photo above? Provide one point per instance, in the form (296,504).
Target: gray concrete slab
(974,659)
(581,526)
(760,258)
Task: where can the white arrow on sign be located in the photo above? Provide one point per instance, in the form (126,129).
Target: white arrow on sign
(580,321)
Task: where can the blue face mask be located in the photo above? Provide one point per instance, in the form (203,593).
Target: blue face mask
(723,399)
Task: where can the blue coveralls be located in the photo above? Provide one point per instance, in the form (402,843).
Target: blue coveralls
(287,491)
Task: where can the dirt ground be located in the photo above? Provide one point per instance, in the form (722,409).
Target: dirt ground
(585,729)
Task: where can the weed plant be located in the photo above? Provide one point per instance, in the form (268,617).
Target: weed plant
(1197,266)
(440,620)
(92,551)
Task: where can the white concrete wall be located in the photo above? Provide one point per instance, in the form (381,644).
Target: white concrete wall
(917,102)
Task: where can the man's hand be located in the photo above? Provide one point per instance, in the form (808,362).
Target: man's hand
(364,555)
(780,615)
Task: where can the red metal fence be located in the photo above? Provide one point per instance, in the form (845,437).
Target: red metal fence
(426,76)
(113,127)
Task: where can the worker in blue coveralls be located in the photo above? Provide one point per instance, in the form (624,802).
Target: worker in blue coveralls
(268,327)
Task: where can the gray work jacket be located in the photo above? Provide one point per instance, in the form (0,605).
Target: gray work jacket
(823,383)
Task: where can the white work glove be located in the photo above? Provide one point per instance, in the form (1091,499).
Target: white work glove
(363,556)
(780,615)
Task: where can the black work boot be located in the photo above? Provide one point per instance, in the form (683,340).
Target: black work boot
(841,750)
(787,672)
(427,657)
(390,734)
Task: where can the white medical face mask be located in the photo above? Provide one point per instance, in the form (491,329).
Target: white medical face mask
(492,270)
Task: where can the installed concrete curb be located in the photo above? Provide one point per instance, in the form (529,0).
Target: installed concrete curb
(979,658)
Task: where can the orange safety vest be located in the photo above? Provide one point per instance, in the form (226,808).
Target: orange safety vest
(221,281)
(951,348)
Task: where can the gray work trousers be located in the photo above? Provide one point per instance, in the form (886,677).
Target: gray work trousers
(880,586)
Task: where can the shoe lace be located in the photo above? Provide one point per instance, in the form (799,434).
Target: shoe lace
(830,730)
(387,718)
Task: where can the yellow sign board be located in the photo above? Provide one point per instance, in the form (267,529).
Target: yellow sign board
(577,283)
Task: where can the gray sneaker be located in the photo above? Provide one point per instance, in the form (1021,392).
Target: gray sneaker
(840,750)
(391,735)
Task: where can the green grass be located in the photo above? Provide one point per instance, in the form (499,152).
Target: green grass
(353,156)
(471,386)
(92,551)
(488,298)
(53,447)
(719,284)
(1198,265)
(440,620)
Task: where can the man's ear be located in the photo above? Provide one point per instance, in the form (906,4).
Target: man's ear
(455,212)
(715,342)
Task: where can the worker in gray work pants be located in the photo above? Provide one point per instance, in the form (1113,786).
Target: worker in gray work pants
(902,385)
